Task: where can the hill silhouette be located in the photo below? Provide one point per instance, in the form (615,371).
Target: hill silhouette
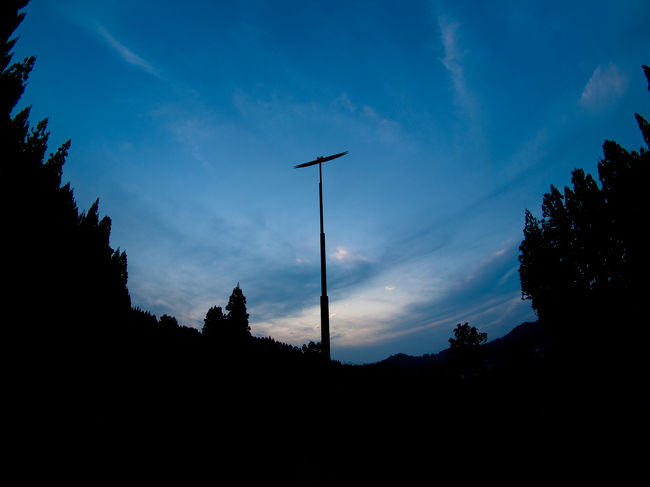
(529,338)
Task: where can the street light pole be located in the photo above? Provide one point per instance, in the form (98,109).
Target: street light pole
(324,300)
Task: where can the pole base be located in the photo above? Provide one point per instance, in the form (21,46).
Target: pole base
(325,327)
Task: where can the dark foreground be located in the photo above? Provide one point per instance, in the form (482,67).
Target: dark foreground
(167,410)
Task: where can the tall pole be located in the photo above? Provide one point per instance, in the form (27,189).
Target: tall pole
(324,300)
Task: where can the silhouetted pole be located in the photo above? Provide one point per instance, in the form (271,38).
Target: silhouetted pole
(324,300)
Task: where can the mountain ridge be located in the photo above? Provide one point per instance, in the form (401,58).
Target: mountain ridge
(529,336)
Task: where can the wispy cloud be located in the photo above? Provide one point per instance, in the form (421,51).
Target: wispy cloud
(606,85)
(453,55)
(348,256)
(415,312)
(125,53)
(453,63)
(340,254)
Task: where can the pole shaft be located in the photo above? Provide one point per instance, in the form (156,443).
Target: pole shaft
(324,301)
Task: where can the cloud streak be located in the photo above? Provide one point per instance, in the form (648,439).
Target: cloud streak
(453,63)
(420,318)
(414,313)
(125,53)
(606,85)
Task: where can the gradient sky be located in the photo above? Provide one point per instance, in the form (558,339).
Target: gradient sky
(187,117)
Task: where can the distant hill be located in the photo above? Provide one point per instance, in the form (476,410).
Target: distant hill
(527,337)
(405,361)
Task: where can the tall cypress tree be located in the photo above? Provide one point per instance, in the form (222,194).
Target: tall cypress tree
(237,317)
(65,287)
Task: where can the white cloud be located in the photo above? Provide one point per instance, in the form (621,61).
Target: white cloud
(344,102)
(125,53)
(606,85)
(453,54)
(341,254)
(453,62)
(345,254)
(83,16)
(418,307)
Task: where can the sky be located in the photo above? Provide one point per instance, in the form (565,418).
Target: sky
(188,117)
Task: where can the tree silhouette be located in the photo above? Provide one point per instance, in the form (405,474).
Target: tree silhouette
(466,338)
(313,350)
(586,260)
(465,347)
(168,323)
(65,300)
(213,322)
(65,287)
(465,351)
(231,329)
(237,317)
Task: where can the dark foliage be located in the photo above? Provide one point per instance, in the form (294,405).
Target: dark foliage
(466,339)
(229,334)
(214,321)
(237,317)
(60,258)
(465,351)
(313,349)
(584,265)
(65,294)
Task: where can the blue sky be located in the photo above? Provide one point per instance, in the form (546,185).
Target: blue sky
(186,120)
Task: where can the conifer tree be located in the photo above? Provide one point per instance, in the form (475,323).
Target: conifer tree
(237,316)
(63,281)
(231,329)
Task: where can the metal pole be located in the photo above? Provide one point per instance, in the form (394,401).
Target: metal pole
(324,301)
